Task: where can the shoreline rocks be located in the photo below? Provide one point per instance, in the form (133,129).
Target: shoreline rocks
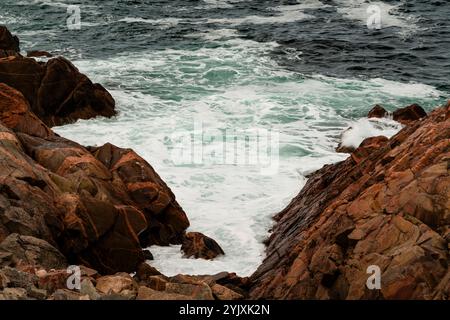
(198,245)
(404,115)
(97,207)
(55,90)
(386,207)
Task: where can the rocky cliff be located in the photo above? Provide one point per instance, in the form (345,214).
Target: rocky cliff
(387,205)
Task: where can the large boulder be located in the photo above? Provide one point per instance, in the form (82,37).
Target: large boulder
(98,206)
(408,114)
(197,245)
(387,208)
(167,220)
(56,91)
(404,115)
(15,113)
(377,112)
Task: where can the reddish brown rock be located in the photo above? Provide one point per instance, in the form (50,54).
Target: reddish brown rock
(388,207)
(377,112)
(411,113)
(224,293)
(145,271)
(344,149)
(56,91)
(198,245)
(145,293)
(368,146)
(167,220)
(15,113)
(96,213)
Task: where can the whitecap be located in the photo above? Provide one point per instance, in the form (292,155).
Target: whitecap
(366,128)
(390,17)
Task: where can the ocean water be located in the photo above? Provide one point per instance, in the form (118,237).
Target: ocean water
(303,71)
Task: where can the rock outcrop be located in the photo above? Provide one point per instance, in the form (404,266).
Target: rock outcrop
(166,219)
(30,283)
(387,208)
(99,206)
(404,115)
(198,245)
(377,112)
(56,91)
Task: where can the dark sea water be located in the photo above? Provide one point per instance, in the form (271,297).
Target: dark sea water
(306,70)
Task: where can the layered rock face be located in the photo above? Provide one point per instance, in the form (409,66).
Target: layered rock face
(387,206)
(56,91)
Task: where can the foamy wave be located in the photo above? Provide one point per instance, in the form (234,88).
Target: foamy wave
(167,22)
(366,128)
(357,10)
(282,14)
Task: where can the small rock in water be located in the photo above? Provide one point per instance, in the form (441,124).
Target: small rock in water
(198,245)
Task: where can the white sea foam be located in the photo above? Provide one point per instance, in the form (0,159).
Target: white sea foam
(167,22)
(214,4)
(233,84)
(365,128)
(357,10)
(281,14)
(8,18)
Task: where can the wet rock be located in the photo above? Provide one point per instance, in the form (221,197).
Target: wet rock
(411,113)
(377,112)
(344,149)
(198,245)
(148,255)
